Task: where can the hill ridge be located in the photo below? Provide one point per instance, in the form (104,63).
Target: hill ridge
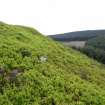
(78,35)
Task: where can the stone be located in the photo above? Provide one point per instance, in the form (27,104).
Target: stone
(2,72)
(43,58)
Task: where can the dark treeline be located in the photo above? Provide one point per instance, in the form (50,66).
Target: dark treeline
(79,35)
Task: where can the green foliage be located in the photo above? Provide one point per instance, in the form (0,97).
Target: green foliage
(25,52)
(97,42)
(66,78)
(95,48)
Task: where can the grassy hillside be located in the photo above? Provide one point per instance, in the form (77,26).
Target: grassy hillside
(78,35)
(35,70)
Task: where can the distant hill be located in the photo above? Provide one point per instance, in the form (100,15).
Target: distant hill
(35,70)
(98,42)
(79,35)
(95,48)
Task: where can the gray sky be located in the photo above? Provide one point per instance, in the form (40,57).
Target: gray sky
(54,16)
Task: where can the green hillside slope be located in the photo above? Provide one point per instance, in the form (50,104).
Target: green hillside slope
(35,70)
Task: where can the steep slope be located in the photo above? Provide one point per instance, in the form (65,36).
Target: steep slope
(38,71)
(78,35)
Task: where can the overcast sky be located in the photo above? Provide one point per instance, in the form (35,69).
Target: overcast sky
(54,16)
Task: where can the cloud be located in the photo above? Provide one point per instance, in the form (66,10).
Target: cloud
(54,16)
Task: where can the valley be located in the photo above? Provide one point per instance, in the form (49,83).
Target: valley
(91,42)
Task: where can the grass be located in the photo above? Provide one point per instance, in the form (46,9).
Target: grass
(67,77)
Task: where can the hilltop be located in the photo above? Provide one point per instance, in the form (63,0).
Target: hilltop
(35,70)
